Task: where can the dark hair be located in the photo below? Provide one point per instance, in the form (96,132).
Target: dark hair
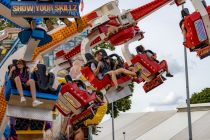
(97,52)
(22,62)
(180,24)
(140,48)
(25,71)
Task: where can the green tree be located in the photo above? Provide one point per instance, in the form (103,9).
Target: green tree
(201,97)
(4,24)
(105,45)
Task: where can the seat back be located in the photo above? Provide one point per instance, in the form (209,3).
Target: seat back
(89,56)
(152,66)
(42,79)
(68,78)
(45,82)
(196,32)
(26,124)
(104,53)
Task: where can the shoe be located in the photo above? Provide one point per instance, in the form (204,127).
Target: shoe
(79,24)
(33,24)
(22,99)
(119,88)
(163,78)
(67,22)
(169,75)
(49,25)
(36,103)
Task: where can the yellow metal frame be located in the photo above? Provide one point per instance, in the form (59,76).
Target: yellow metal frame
(3,105)
(100,113)
(31,132)
(61,80)
(61,35)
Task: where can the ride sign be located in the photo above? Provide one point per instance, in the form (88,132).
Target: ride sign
(44,9)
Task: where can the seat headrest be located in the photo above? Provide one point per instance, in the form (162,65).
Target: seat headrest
(89,56)
(68,78)
(104,53)
(14,62)
(42,67)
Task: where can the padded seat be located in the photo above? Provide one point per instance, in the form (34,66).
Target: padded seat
(44,82)
(95,82)
(149,64)
(40,95)
(100,84)
(196,33)
(73,99)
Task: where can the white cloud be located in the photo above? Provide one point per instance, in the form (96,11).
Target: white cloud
(170,99)
(150,109)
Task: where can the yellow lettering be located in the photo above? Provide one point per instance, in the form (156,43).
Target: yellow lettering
(37,8)
(50,7)
(65,8)
(42,8)
(61,7)
(15,8)
(22,8)
(57,7)
(30,8)
(74,7)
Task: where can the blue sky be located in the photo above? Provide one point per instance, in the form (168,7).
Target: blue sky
(163,36)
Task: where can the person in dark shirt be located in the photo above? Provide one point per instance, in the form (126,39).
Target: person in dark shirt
(20,76)
(98,67)
(141,50)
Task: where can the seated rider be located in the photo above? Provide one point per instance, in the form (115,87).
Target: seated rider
(141,50)
(181,24)
(20,77)
(100,72)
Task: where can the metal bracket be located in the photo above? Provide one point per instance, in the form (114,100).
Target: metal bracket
(29,113)
(32,44)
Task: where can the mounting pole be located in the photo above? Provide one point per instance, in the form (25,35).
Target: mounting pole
(187,92)
(113,135)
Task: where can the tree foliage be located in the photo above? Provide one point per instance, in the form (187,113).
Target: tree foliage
(201,97)
(105,45)
(4,24)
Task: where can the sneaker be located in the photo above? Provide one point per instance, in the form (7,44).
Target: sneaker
(163,78)
(67,22)
(36,103)
(79,24)
(119,88)
(169,75)
(49,25)
(22,99)
(33,24)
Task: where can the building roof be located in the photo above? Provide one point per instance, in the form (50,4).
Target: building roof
(162,125)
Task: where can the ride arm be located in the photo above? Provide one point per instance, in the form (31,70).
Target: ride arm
(143,11)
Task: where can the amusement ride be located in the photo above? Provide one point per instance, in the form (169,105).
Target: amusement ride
(32,96)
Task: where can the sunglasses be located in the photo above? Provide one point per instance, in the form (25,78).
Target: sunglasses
(19,63)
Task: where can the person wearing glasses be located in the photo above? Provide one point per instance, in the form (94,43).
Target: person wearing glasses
(98,70)
(20,77)
(141,50)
